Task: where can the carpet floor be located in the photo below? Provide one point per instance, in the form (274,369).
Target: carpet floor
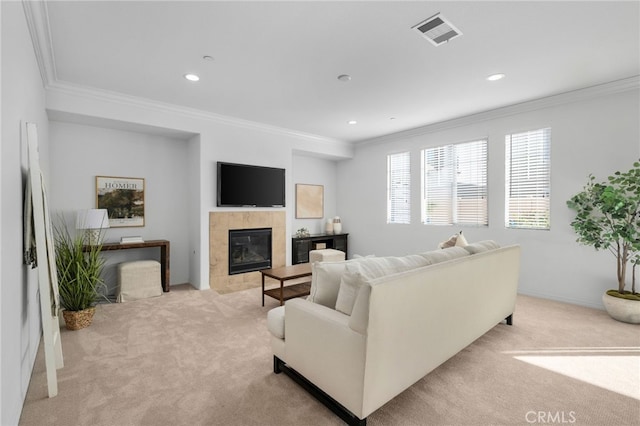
(200,358)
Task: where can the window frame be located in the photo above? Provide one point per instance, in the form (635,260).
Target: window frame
(451,197)
(536,165)
(399,216)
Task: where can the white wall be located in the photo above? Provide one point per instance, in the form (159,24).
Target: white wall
(598,135)
(195,237)
(79,153)
(22,100)
(213,139)
(315,171)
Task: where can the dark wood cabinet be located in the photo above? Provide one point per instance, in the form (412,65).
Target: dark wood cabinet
(301,246)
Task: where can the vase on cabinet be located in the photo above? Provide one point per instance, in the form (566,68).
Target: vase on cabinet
(337,225)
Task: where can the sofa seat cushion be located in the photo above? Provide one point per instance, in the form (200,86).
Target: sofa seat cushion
(275,322)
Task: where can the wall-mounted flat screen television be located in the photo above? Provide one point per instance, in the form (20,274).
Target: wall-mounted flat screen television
(242,185)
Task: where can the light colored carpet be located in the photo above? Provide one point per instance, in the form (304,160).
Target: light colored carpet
(200,358)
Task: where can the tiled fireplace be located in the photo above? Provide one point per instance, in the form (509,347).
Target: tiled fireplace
(221,276)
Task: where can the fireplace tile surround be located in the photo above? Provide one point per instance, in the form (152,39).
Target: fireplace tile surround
(219,225)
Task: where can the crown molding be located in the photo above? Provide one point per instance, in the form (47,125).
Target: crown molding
(37,17)
(106,96)
(579,95)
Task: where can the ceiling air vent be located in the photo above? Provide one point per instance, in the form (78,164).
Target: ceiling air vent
(437,30)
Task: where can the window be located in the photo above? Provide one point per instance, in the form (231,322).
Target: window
(528,179)
(454,185)
(398,188)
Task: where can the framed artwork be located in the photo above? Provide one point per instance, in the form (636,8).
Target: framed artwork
(123,198)
(309,201)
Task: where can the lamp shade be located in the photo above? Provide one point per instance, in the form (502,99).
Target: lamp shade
(92,219)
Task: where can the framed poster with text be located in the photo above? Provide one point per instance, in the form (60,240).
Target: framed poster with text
(123,198)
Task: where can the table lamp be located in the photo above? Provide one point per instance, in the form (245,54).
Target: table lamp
(93,221)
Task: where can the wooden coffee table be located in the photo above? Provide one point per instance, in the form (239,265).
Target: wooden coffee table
(287,273)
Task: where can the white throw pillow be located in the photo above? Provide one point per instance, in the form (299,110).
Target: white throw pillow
(451,242)
(349,286)
(456,240)
(325,282)
(461,241)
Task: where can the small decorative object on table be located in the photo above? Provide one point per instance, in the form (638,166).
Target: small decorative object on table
(302,232)
(131,239)
(328,228)
(337,225)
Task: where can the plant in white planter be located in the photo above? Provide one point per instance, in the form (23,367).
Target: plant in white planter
(608,218)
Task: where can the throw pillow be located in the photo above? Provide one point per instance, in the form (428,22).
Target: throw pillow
(461,241)
(451,242)
(349,286)
(325,282)
(456,240)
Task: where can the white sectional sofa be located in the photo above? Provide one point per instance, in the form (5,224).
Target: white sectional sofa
(372,327)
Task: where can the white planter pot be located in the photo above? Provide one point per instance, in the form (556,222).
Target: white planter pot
(623,310)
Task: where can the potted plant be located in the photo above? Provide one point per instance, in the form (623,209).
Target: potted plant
(608,218)
(79,267)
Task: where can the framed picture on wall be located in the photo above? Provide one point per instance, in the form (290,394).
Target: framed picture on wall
(309,201)
(123,197)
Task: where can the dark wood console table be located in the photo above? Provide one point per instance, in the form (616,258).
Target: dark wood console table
(164,255)
(301,246)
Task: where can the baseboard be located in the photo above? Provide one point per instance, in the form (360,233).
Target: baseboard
(556,298)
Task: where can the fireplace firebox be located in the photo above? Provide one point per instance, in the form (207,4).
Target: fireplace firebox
(249,250)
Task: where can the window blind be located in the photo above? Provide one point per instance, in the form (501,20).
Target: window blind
(399,188)
(528,179)
(455,184)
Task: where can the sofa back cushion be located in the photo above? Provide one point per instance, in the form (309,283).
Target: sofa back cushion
(481,246)
(437,256)
(359,272)
(326,276)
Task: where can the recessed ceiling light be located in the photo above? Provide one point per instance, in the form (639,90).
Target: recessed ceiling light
(344,78)
(191,77)
(352,122)
(207,58)
(495,77)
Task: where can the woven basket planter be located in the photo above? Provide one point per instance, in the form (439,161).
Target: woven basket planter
(76,320)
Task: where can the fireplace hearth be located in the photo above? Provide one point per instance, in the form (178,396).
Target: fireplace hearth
(249,250)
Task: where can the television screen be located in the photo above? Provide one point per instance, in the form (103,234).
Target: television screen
(244,185)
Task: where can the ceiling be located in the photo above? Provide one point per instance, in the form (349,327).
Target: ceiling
(277,63)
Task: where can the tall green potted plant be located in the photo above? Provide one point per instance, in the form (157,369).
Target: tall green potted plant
(79,267)
(608,218)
